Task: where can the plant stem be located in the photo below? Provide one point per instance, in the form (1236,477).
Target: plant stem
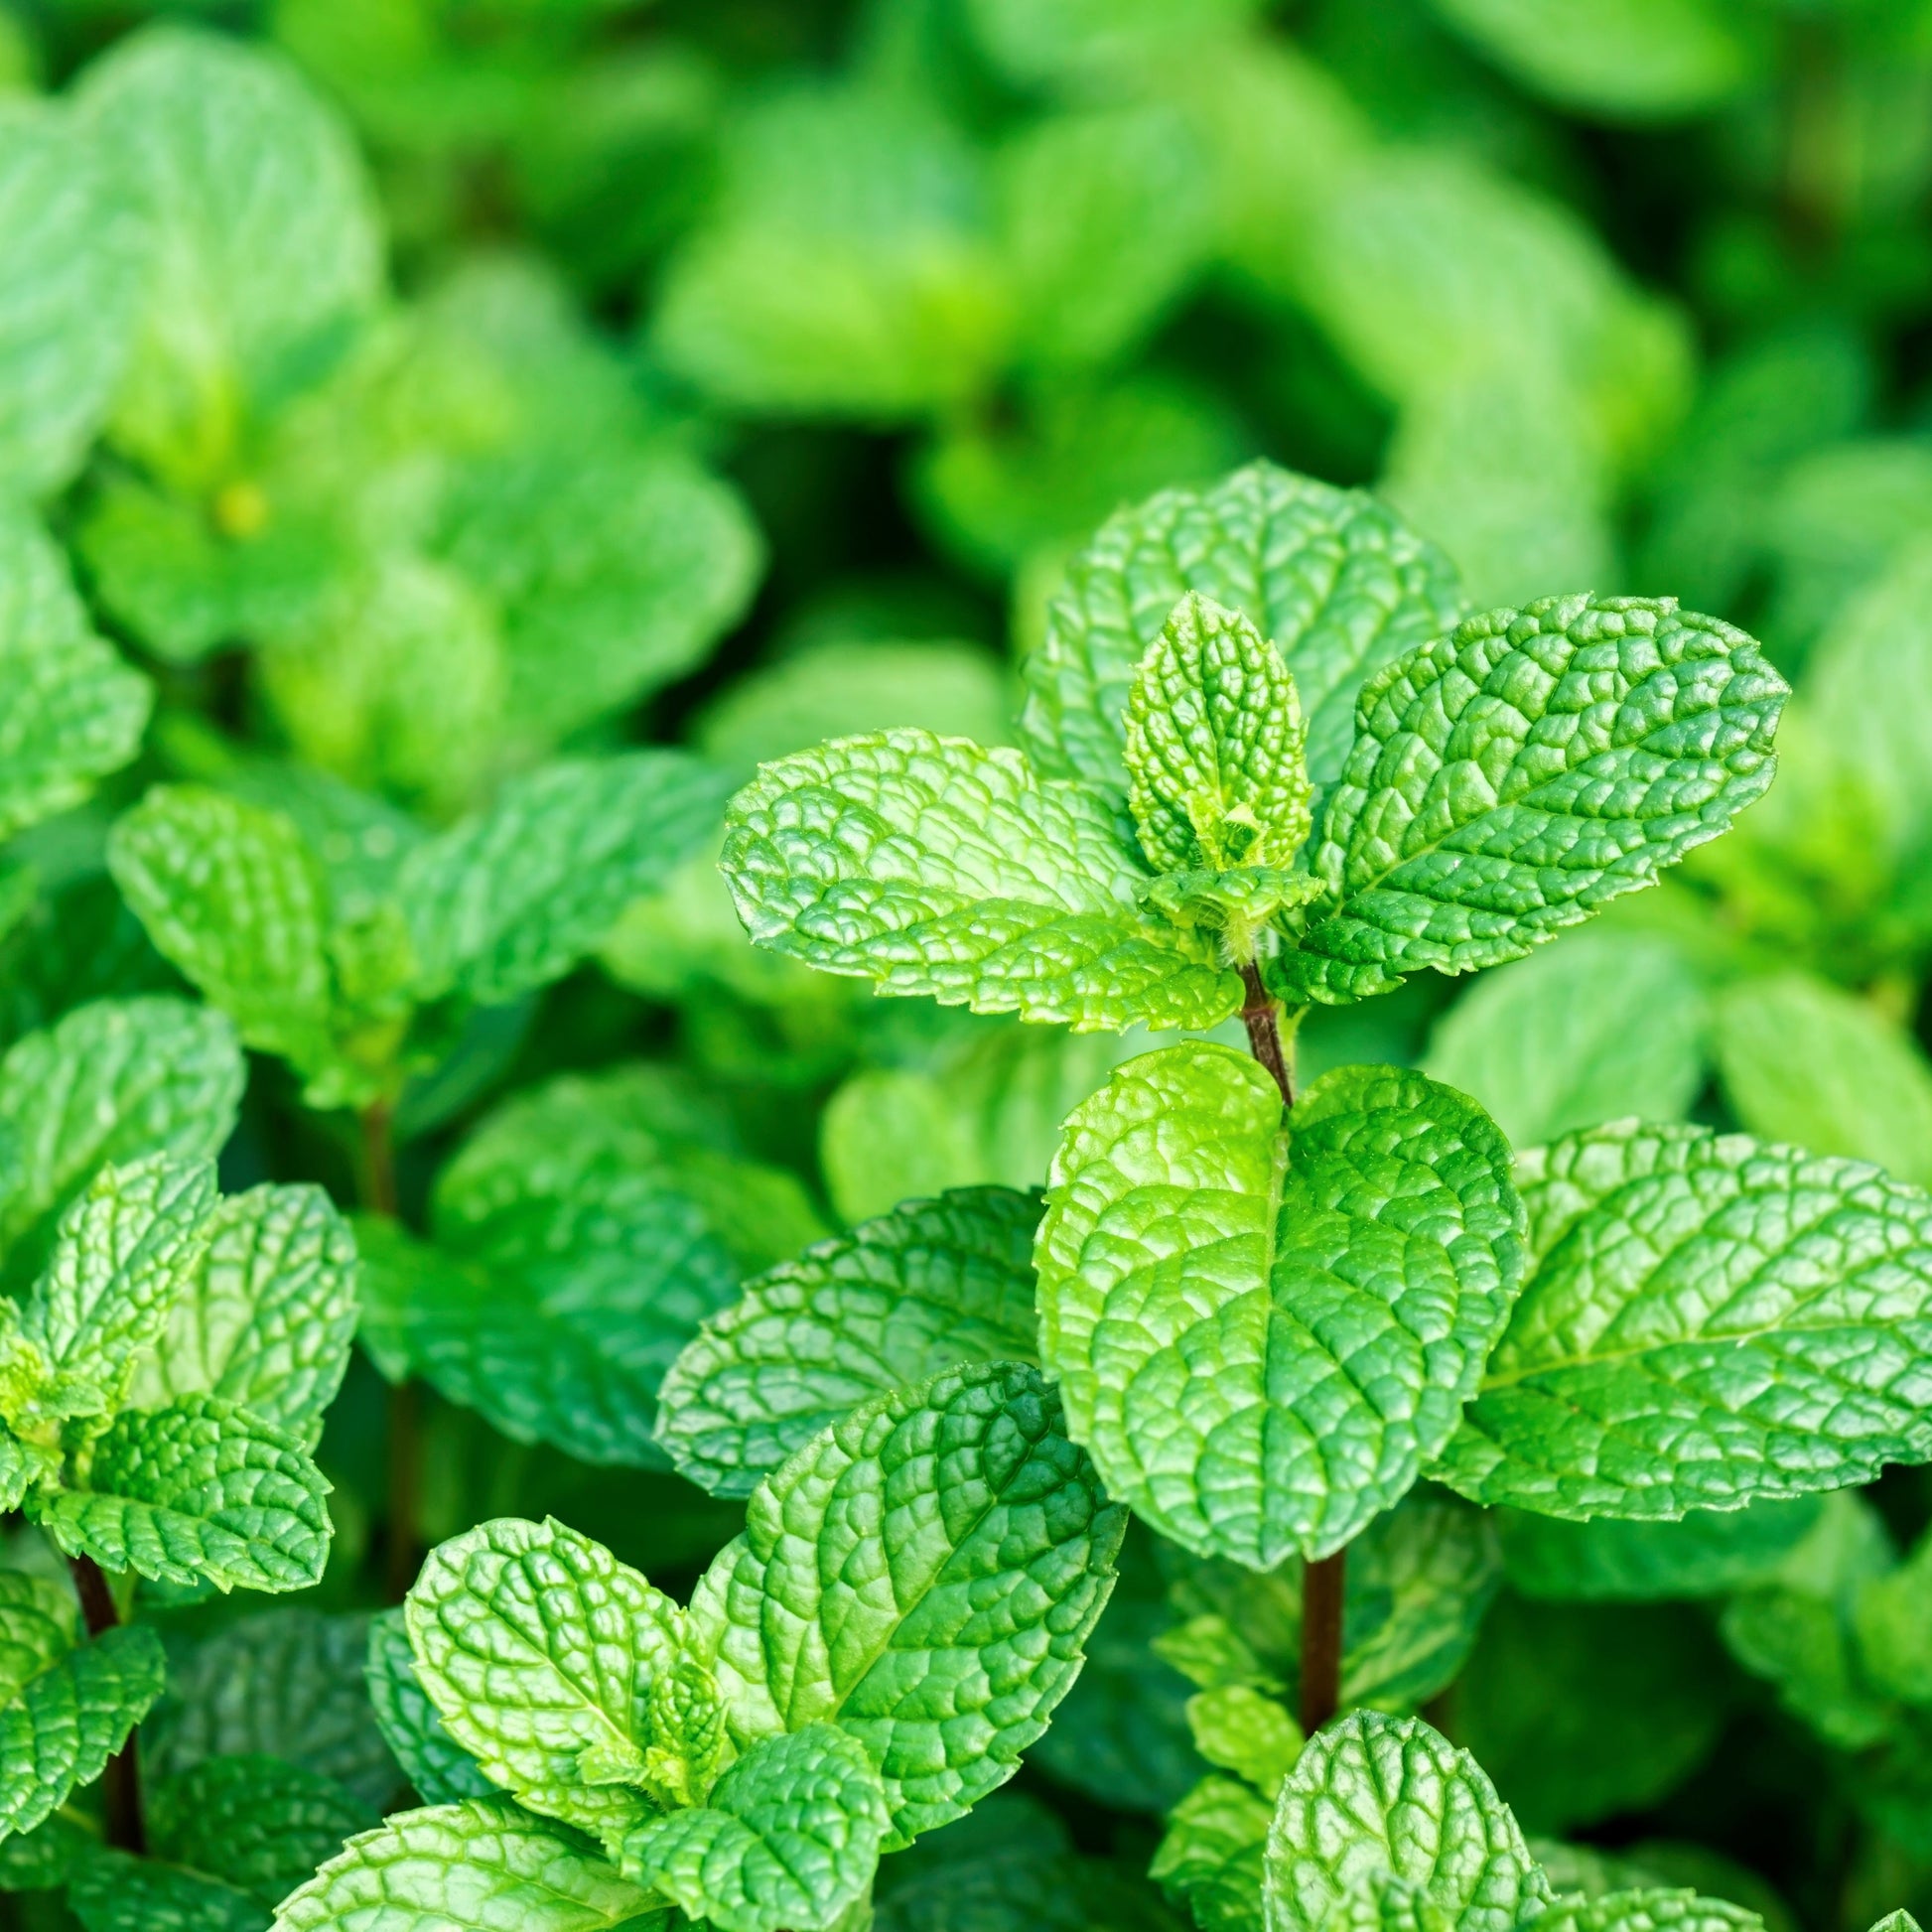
(1322,1583)
(121,1780)
(378,1189)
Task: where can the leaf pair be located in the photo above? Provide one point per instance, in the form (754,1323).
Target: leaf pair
(1503,781)
(747,1759)
(330,979)
(163,1383)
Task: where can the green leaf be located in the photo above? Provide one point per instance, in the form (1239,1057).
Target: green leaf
(788,1841)
(1803,1062)
(926,1287)
(470,1868)
(1263,1327)
(943,1685)
(514,897)
(1511,777)
(65,327)
(439,1769)
(1706,1321)
(71,709)
(1238,1730)
(109,1082)
(1648,1910)
(1378,1806)
(199,1491)
(539,1651)
(230,893)
(1216,746)
(1888,1621)
(1211,1857)
(932,866)
(69,1705)
(115,1891)
(891,1134)
(1598,1026)
(266,1315)
(1338,583)
(259,239)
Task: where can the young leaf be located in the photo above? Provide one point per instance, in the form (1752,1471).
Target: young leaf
(788,1841)
(1338,582)
(1216,746)
(929,865)
(485,1863)
(539,1650)
(1706,1321)
(1378,1806)
(266,1315)
(66,1706)
(514,896)
(201,1491)
(943,1691)
(1238,1730)
(1211,1858)
(70,709)
(1264,1326)
(230,893)
(1511,777)
(438,1768)
(930,1285)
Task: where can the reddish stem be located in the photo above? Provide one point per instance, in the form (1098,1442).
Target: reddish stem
(120,1782)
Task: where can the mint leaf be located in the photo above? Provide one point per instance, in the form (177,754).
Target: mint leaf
(1378,1808)
(515,896)
(265,1316)
(930,1285)
(539,1651)
(69,1705)
(114,1892)
(439,1769)
(931,866)
(1216,746)
(1648,1910)
(1706,1321)
(1508,779)
(71,709)
(1337,582)
(257,237)
(1232,1300)
(230,893)
(108,1083)
(201,1491)
(1237,1728)
(788,1841)
(1211,1857)
(943,1696)
(480,1865)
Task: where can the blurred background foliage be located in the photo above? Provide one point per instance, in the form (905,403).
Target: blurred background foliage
(524,377)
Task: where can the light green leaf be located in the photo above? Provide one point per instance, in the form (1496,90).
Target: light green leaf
(1379,1804)
(230,893)
(891,1134)
(71,710)
(1899,1921)
(201,1491)
(471,1867)
(125,1249)
(266,1315)
(1888,1620)
(1216,749)
(69,1704)
(943,1691)
(1598,1026)
(108,1083)
(1238,1730)
(1211,1857)
(1648,1910)
(439,1769)
(64,331)
(259,239)
(1803,1062)
(115,1891)
(1706,1321)
(515,896)
(788,1841)
(930,1285)
(1263,1327)
(1511,777)
(1075,43)
(539,1651)
(929,865)
(1338,584)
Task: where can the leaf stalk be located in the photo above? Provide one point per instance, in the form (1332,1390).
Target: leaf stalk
(120,1782)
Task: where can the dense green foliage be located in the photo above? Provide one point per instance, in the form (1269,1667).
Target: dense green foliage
(1331,599)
